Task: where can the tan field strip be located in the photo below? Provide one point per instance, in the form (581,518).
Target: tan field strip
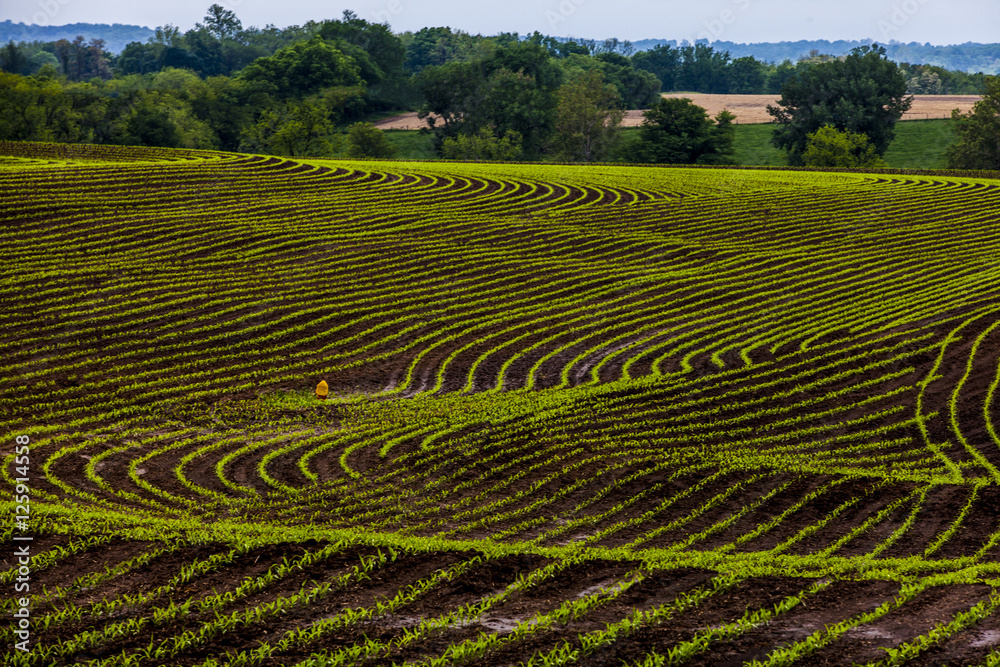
(748,109)
(753,108)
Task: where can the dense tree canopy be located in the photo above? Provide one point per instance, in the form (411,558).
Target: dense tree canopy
(364,140)
(662,61)
(291,128)
(80,60)
(483,145)
(978,145)
(225,85)
(434,47)
(222,22)
(150,125)
(38,109)
(302,69)
(13,59)
(637,88)
(384,50)
(830,147)
(863,93)
(677,131)
(514,88)
(701,68)
(588,119)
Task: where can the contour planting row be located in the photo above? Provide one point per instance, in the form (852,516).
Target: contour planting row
(578,415)
(604,489)
(550,341)
(544,250)
(337,603)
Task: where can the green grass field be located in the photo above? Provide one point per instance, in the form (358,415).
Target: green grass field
(412,144)
(753,147)
(577,415)
(919,144)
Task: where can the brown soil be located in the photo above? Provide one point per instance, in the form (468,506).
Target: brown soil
(748,109)
(92,358)
(865,643)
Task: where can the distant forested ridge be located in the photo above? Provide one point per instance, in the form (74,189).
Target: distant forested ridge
(300,90)
(115,36)
(970,57)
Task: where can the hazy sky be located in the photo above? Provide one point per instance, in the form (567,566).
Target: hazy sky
(935,21)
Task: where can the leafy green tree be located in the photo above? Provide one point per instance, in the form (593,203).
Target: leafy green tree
(226,106)
(677,131)
(344,102)
(863,93)
(39,108)
(167,35)
(663,62)
(513,89)
(637,88)
(181,82)
(561,49)
(588,119)
(703,69)
(203,46)
(292,128)
(368,70)
(80,60)
(484,145)
(428,47)
(778,76)
(934,80)
(179,57)
(41,59)
(222,22)
(137,58)
(746,76)
(383,49)
(153,116)
(217,47)
(925,82)
(531,59)
(13,59)
(978,144)
(302,69)
(830,147)
(445,90)
(151,125)
(514,101)
(364,140)
(435,47)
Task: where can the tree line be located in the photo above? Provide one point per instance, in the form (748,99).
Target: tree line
(291,91)
(222,85)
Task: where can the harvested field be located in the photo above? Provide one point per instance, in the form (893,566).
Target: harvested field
(753,108)
(748,109)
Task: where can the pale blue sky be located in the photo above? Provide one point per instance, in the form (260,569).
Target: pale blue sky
(935,21)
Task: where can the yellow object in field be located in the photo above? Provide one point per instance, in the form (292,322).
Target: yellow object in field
(322,389)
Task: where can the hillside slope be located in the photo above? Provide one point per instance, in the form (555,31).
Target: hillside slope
(586,414)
